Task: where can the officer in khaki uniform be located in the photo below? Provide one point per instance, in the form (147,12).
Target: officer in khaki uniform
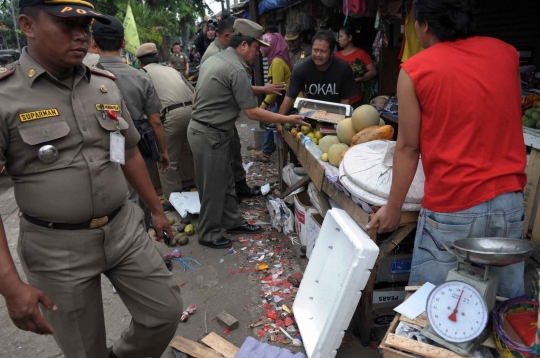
(212,128)
(298,50)
(139,93)
(63,153)
(179,60)
(175,94)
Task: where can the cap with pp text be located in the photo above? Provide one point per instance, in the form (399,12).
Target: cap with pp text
(293,32)
(249,28)
(113,30)
(67,8)
(148,48)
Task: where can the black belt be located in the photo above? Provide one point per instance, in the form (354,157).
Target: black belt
(90,224)
(175,106)
(208,125)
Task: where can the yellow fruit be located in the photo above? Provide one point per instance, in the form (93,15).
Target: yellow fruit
(345,131)
(171,221)
(311,135)
(324,157)
(305,129)
(294,132)
(299,137)
(316,141)
(189,229)
(318,135)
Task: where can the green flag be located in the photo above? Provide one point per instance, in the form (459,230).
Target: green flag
(130,32)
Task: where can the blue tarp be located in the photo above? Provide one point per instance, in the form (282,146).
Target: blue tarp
(267,5)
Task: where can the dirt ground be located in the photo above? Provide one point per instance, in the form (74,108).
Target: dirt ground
(222,281)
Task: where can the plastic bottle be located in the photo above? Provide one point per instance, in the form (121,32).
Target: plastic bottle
(311,146)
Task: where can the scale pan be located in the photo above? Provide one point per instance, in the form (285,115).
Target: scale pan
(493,251)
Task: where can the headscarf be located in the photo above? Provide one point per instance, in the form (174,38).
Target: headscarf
(278,48)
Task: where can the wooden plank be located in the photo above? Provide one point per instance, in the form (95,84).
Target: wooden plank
(312,166)
(388,245)
(407,217)
(306,179)
(356,212)
(529,193)
(422,349)
(387,351)
(220,344)
(229,321)
(323,200)
(193,348)
(412,288)
(283,154)
(420,321)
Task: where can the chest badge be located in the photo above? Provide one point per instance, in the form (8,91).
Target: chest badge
(31,73)
(3,70)
(103,89)
(48,154)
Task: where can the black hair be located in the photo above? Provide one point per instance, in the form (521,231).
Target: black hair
(272,29)
(226,24)
(30,11)
(108,44)
(176,43)
(325,35)
(150,58)
(449,20)
(236,40)
(350,30)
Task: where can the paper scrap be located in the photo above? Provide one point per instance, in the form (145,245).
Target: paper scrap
(415,305)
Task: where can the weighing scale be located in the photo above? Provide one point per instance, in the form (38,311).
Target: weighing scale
(459,310)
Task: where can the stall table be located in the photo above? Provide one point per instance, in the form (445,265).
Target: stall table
(532,139)
(315,174)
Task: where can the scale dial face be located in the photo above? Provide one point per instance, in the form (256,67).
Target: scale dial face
(456,311)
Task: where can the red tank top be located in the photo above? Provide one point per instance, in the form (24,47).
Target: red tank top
(471,138)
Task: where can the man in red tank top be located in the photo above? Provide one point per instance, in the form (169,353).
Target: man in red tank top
(459,110)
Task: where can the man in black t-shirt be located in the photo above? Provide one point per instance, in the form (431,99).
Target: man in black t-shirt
(320,76)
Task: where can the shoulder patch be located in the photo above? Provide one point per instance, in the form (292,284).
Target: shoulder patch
(104,73)
(5,72)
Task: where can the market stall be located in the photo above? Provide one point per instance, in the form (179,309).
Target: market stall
(328,189)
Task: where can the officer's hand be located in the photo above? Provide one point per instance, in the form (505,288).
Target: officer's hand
(270,88)
(164,162)
(187,73)
(294,119)
(279,128)
(386,219)
(23,308)
(161,223)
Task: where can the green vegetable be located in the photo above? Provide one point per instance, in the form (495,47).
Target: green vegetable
(367,88)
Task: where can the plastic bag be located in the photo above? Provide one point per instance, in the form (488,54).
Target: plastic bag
(267,5)
(290,178)
(313,193)
(281,217)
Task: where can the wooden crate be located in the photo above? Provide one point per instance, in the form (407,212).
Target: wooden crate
(532,139)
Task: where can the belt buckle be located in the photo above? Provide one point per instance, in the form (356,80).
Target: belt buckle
(99,222)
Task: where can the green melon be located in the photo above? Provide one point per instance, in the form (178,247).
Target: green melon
(529,123)
(334,153)
(530,112)
(364,116)
(345,131)
(536,116)
(326,142)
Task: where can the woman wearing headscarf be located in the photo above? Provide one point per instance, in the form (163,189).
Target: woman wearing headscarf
(280,69)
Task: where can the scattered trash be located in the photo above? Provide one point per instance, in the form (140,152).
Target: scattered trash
(247,166)
(182,284)
(231,272)
(186,262)
(231,251)
(226,331)
(172,255)
(189,311)
(295,342)
(262,267)
(265,189)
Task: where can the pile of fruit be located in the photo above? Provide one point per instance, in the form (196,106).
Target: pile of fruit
(531,119)
(363,126)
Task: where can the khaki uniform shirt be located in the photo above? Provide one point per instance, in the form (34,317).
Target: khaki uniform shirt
(215,47)
(38,110)
(135,85)
(171,87)
(301,52)
(179,62)
(223,89)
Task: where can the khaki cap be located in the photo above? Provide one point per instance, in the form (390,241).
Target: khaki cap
(249,28)
(293,32)
(146,49)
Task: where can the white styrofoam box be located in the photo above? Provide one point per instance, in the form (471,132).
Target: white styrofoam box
(336,274)
(186,202)
(314,223)
(302,210)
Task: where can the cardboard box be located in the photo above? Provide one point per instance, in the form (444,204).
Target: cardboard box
(384,302)
(302,210)
(314,223)
(394,268)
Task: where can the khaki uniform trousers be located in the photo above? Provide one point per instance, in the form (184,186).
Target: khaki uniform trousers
(175,127)
(67,266)
(215,181)
(236,152)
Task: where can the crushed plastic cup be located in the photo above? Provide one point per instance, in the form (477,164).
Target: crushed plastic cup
(189,311)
